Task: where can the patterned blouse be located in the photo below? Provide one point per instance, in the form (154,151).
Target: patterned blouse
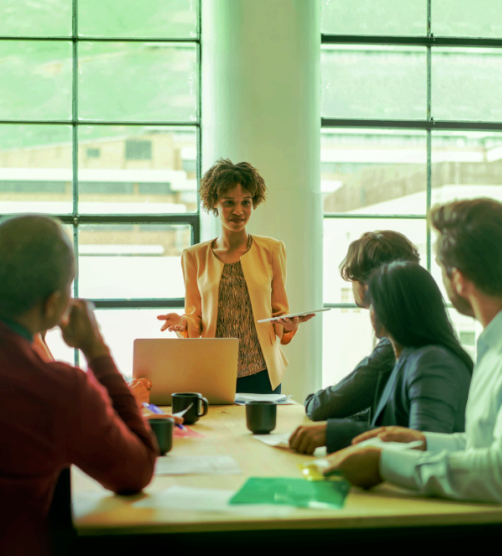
(235,318)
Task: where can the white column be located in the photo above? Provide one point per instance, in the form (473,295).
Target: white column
(260,104)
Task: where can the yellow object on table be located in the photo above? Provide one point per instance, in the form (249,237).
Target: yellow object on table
(313,472)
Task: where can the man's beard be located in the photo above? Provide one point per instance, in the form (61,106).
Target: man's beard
(461,304)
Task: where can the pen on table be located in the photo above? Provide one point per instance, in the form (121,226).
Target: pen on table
(158,411)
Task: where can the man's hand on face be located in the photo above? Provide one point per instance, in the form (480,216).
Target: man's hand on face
(80,330)
(360,466)
(307,438)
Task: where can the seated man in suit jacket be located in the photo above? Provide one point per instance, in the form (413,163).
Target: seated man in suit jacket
(428,387)
(354,395)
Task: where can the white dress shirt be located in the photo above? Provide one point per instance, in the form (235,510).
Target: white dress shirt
(463,466)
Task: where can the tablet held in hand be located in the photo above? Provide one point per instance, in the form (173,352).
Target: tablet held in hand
(292,315)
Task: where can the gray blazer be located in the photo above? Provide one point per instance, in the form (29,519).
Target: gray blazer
(355,394)
(426,391)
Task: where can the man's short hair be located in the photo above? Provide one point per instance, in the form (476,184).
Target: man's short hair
(372,250)
(36,260)
(470,240)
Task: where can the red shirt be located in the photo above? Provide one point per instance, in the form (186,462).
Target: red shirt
(53,415)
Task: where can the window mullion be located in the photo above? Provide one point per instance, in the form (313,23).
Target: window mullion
(74,117)
(429,143)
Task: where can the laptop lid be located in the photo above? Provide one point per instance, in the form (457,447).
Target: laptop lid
(205,365)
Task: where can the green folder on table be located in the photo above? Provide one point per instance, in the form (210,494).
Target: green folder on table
(293,492)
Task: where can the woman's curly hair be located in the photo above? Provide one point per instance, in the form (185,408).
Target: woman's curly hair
(225,175)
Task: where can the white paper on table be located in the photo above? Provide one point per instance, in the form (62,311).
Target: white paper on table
(281,440)
(285,401)
(196,465)
(206,500)
(278,440)
(245,397)
(188,498)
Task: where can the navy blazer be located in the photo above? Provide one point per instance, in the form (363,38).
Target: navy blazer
(426,391)
(355,393)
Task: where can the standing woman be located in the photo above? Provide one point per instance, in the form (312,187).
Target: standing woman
(237,279)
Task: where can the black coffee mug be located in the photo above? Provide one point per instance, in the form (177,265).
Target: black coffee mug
(163,429)
(182,400)
(261,417)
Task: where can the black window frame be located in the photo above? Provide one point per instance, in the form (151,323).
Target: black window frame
(75,219)
(430,41)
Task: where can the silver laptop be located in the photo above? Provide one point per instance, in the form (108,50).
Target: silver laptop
(205,365)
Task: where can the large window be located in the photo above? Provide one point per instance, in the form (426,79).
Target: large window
(411,117)
(100,126)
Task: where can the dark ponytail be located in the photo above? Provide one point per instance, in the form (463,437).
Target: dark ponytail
(408,302)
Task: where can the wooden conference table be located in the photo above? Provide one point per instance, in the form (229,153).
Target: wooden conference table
(99,513)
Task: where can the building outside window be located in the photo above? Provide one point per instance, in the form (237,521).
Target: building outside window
(96,113)
(100,125)
(411,117)
(138,150)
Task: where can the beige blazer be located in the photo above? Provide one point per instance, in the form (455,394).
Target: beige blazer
(264,268)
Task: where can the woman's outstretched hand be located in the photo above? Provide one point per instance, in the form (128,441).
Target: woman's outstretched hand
(290,325)
(174,322)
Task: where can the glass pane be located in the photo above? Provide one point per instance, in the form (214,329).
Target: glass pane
(467,84)
(340,232)
(436,271)
(35,80)
(148,18)
(370,17)
(137,81)
(35,169)
(132,260)
(26,18)
(465,18)
(368,171)
(373,82)
(58,348)
(466,165)
(348,337)
(137,169)
(120,327)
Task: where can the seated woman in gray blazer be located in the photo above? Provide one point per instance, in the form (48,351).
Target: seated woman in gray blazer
(428,387)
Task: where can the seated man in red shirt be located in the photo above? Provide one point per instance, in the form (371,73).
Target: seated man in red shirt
(53,415)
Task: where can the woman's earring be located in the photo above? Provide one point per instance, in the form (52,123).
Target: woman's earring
(217,213)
